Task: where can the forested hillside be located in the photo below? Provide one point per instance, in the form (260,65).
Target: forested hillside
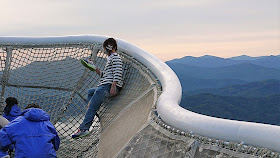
(239,88)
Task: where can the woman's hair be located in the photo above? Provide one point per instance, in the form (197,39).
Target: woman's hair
(32,106)
(10,101)
(110,44)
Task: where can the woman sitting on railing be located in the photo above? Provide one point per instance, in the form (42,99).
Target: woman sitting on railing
(110,84)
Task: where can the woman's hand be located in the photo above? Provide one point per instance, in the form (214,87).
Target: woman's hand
(88,104)
(97,71)
(113,90)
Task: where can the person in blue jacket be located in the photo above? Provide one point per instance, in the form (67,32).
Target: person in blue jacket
(32,133)
(3,122)
(11,110)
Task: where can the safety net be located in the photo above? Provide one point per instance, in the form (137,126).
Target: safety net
(53,77)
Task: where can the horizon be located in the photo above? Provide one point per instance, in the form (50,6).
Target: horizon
(228,57)
(166,29)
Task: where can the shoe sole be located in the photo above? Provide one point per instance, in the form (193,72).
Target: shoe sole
(82,136)
(87,65)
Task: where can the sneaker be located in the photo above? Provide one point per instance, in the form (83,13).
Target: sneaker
(88,64)
(80,134)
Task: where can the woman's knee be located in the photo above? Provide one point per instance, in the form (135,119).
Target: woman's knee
(90,91)
(101,95)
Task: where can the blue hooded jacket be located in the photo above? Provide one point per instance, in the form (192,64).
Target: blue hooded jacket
(14,113)
(2,153)
(33,135)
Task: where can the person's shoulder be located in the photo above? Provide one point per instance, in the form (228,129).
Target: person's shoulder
(116,56)
(49,124)
(15,111)
(18,119)
(16,108)
(16,122)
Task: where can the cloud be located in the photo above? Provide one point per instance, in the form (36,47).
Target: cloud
(162,24)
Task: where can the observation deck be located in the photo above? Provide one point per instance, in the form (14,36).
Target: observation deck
(144,120)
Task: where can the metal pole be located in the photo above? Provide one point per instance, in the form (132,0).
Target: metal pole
(5,77)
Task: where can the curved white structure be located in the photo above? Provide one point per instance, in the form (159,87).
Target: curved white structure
(3,121)
(261,135)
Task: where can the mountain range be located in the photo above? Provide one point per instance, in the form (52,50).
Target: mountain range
(252,89)
(239,88)
(227,72)
(212,61)
(257,109)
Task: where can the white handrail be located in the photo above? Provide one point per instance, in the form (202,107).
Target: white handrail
(256,134)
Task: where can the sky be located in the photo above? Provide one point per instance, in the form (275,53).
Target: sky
(167,29)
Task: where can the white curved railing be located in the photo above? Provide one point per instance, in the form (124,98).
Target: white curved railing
(261,135)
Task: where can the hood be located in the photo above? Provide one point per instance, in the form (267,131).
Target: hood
(15,110)
(35,114)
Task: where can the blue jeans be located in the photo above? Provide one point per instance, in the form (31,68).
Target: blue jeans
(96,97)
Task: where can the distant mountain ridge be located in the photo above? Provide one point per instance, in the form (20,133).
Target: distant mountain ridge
(225,76)
(257,109)
(244,57)
(214,72)
(252,89)
(213,61)
(190,83)
(239,88)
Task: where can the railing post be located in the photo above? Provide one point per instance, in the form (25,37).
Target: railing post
(95,49)
(5,77)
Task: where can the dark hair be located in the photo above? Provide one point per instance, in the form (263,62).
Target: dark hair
(32,106)
(10,101)
(110,44)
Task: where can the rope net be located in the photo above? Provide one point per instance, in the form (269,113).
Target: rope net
(53,77)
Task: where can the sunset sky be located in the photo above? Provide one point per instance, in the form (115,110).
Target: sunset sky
(166,28)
